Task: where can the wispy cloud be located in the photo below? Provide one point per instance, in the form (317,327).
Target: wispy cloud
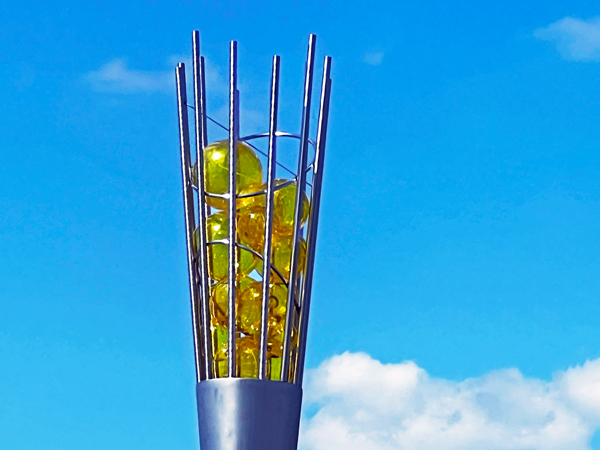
(363,404)
(373,58)
(575,39)
(116,76)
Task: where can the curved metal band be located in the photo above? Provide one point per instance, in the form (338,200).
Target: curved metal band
(251,137)
(251,194)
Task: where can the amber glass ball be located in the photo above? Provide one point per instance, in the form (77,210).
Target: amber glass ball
(284,208)
(277,300)
(284,204)
(219,298)
(249,309)
(249,303)
(282,256)
(251,227)
(276,336)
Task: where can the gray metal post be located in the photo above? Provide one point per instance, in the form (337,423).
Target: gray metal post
(231,273)
(248,414)
(262,360)
(188,209)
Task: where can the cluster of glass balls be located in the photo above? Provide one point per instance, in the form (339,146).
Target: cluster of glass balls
(250,226)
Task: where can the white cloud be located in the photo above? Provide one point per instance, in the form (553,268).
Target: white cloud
(363,404)
(582,386)
(576,39)
(373,58)
(115,76)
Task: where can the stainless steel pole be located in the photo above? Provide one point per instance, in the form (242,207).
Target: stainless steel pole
(188,208)
(233,137)
(300,187)
(264,322)
(313,223)
(200,105)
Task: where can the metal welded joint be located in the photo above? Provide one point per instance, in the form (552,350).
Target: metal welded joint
(251,242)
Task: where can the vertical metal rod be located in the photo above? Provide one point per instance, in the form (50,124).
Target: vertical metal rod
(313,223)
(188,207)
(203,102)
(199,106)
(204,115)
(300,188)
(272,164)
(233,131)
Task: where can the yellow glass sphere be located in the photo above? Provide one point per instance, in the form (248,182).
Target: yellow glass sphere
(284,202)
(218,264)
(249,309)
(277,300)
(249,305)
(284,205)
(251,227)
(247,357)
(219,298)
(218,254)
(216,172)
(281,257)
(248,324)
(276,336)
(219,335)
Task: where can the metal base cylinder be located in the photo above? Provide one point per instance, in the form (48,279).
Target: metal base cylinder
(248,414)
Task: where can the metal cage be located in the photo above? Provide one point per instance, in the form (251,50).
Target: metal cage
(259,408)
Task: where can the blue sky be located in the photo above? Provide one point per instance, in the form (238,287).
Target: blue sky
(459,236)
